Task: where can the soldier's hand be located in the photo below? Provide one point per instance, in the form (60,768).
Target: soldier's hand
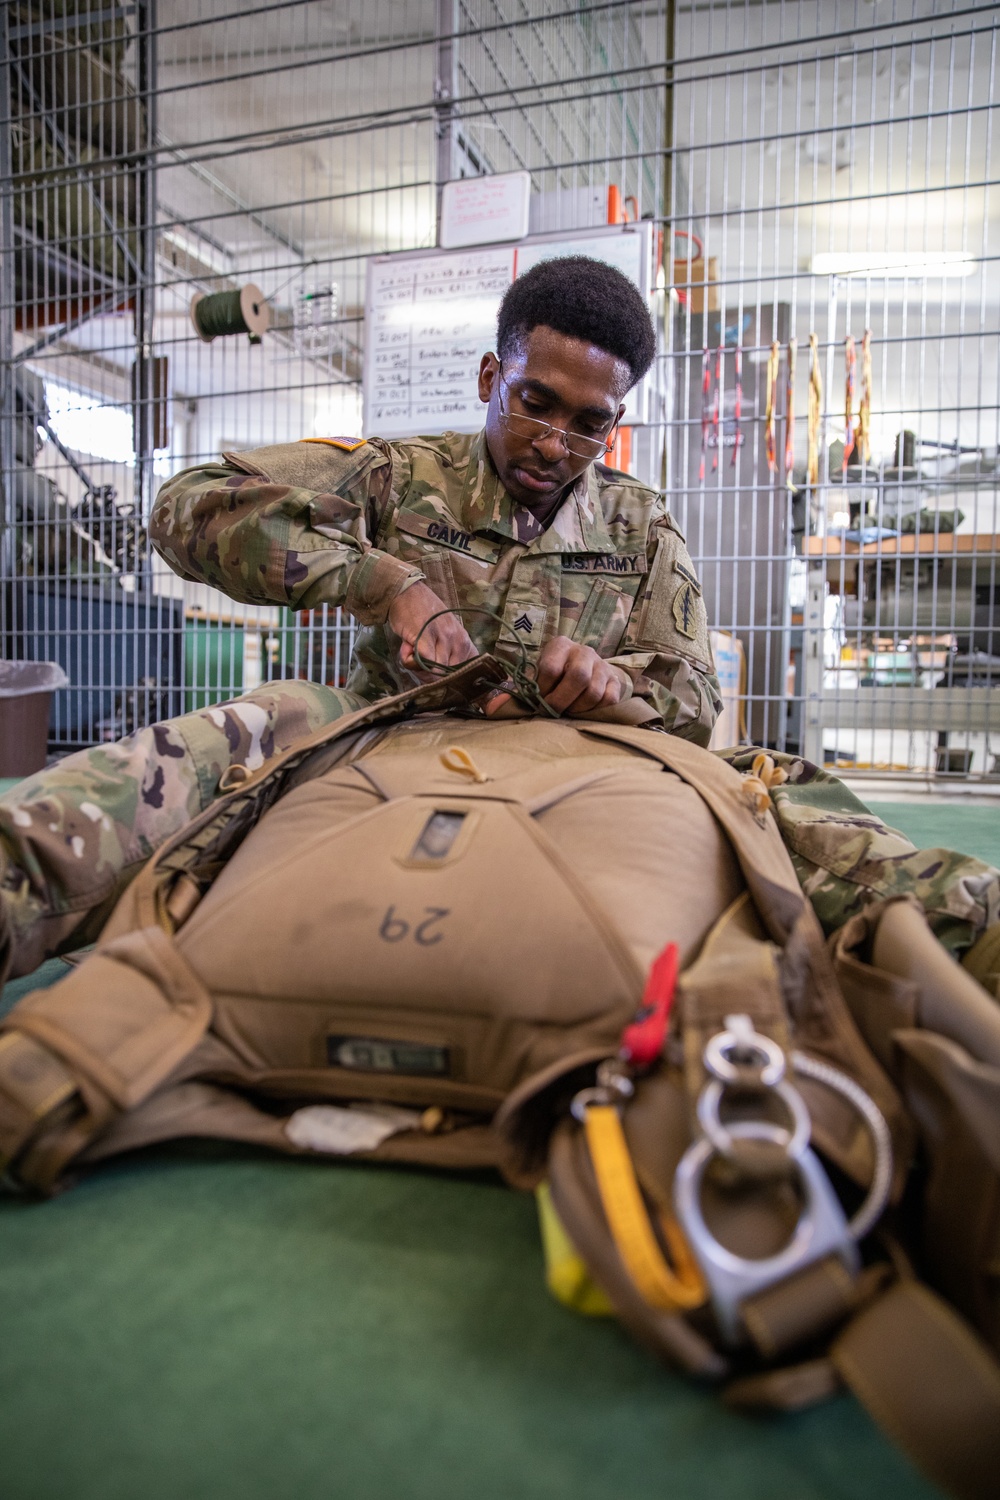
(445,640)
(574,679)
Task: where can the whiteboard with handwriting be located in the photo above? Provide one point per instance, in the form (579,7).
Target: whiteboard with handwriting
(430,316)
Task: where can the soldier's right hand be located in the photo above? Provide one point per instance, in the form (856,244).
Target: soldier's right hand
(444,641)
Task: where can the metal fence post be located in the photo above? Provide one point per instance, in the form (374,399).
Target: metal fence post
(7,315)
(445,89)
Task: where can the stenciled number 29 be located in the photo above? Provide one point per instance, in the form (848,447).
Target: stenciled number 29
(396,929)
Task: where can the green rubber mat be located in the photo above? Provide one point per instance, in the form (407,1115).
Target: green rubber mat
(936,825)
(210,1322)
(205,1321)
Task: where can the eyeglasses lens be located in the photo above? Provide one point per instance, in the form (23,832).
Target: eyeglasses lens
(531,427)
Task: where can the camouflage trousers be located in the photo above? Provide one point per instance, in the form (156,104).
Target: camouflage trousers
(74,835)
(845,858)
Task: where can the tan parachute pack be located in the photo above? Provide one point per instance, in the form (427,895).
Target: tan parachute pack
(423,936)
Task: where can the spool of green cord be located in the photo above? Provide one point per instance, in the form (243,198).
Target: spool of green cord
(242,311)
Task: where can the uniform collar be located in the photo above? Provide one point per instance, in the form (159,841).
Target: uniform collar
(577,526)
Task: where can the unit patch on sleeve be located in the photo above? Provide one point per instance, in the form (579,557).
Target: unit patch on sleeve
(685,600)
(684,605)
(671,614)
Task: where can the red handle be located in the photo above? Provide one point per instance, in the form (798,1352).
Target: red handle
(643,1037)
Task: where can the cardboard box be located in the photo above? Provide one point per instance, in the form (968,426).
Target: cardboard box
(693,279)
(731,667)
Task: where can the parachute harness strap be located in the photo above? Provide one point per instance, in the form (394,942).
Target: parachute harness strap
(522,684)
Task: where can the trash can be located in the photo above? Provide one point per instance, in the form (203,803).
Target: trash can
(26,689)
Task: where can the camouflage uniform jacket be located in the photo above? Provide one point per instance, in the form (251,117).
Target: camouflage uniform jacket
(346,522)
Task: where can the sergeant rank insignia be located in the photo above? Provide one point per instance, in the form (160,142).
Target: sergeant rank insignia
(529,620)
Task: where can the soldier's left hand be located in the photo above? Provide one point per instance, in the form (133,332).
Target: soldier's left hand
(573,679)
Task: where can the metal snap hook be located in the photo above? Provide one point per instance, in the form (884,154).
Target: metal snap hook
(612,1074)
(613,1085)
(821,1230)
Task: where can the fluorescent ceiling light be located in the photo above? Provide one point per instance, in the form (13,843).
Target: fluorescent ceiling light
(89,426)
(896,265)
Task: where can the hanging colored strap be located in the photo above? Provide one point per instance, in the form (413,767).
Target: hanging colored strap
(715,407)
(851,364)
(566,1274)
(815,411)
(770,442)
(738,406)
(865,406)
(670,1289)
(790,412)
(706,407)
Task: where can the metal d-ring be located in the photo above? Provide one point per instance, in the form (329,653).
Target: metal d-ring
(793,1141)
(751,1046)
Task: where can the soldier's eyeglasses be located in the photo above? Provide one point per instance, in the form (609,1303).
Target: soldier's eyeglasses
(521,425)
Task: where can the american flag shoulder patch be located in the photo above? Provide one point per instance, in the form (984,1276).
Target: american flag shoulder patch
(346,444)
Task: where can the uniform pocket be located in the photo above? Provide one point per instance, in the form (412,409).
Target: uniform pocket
(601,623)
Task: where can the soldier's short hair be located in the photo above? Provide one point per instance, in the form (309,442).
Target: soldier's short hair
(585,299)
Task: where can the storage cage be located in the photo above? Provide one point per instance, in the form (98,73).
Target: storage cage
(815,181)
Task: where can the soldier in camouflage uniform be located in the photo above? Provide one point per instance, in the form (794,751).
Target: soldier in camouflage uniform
(610,571)
(524,525)
(587,572)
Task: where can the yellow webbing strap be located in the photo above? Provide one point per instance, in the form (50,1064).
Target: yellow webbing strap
(663,1287)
